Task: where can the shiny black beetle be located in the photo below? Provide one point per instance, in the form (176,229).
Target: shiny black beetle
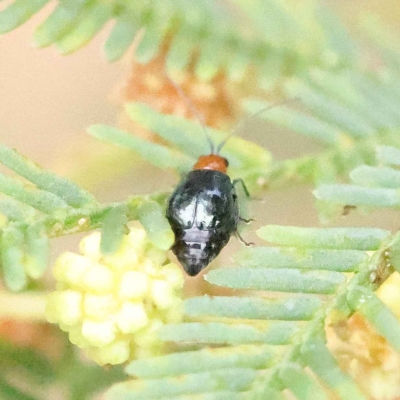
(203,212)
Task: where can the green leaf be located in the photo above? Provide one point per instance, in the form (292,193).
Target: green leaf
(388,155)
(373,89)
(341,87)
(15,210)
(39,199)
(152,36)
(121,37)
(158,229)
(12,254)
(358,196)
(90,22)
(221,333)
(278,279)
(338,38)
(304,124)
(37,251)
(185,135)
(113,229)
(63,19)
(330,110)
(291,308)
(277,257)
(321,361)
(45,180)
(236,379)
(301,384)
(179,55)
(377,313)
(328,238)
(205,360)
(365,175)
(18,12)
(158,155)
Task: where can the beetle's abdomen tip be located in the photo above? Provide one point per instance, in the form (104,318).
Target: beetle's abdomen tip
(193,266)
(192,271)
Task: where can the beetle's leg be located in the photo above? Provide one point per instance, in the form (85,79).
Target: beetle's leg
(241,181)
(247,221)
(242,240)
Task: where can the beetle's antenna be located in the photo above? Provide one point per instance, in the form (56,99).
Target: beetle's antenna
(193,110)
(248,117)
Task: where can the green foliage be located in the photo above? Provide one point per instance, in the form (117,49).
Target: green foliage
(27,210)
(388,155)
(12,242)
(153,219)
(113,229)
(293,38)
(188,141)
(220,333)
(288,308)
(371,188)
(349,112)
(160,156)
(274,257)
(18,12)
(230,380)
(49,206)
(278,280)
(252,329)
(47,181)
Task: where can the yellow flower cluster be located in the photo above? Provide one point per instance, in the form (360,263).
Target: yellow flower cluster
(112,305)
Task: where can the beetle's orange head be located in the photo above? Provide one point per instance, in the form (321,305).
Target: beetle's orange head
(213,162)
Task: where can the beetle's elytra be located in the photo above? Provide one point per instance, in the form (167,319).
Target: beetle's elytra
(203,213)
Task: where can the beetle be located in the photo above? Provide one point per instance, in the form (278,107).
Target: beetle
(203,212)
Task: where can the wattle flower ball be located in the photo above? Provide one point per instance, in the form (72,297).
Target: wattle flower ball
(113,305)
